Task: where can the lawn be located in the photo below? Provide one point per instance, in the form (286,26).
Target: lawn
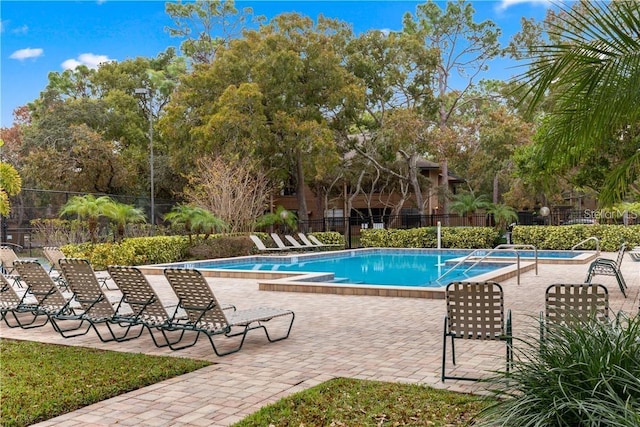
(40,381)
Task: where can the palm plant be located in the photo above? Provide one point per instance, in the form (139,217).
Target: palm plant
(123,214)
(281,217)
(468,204)
(591,69)
(195,220)
(502,214)
(87,207)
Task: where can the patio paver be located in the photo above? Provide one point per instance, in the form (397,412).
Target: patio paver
(376,338)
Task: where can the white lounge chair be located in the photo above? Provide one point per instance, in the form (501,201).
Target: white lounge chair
(297,244)
(260,244)
(282,245)
(317,242)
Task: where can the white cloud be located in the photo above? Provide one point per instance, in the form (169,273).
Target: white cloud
(505,4)
(89,59)
(21,30)
(27,53)
(3,24)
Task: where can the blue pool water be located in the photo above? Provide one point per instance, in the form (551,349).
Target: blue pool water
(388,267)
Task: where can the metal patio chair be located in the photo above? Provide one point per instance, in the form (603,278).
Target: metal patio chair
(147,307)
(96,307)
(609,267)
(475,311)
(206,316)
(568,304)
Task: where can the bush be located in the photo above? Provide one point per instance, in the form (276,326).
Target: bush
(221,247)
(135,251)
(330,238)
(426,237)
(584,375)
(566,236)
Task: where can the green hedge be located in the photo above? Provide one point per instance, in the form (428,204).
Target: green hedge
(566,236)
(426,237)
(330,238)
(134,251)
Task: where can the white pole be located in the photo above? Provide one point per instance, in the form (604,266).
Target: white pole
(439,234)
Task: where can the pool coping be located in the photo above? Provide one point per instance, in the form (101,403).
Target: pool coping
(320,282)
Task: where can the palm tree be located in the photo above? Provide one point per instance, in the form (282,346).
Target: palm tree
(123,214)
(468,204)
(10,185)
(87,207)
(591,69)
(502,214)
(281,216)
(196,220)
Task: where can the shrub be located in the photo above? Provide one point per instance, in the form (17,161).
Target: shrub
(222,247)
(330,238)
(426,237)
(584,375)
(566,236)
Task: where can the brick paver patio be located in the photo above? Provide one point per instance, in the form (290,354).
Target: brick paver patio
(378,338)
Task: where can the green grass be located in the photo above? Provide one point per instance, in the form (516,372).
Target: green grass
(41,381)
(350,402)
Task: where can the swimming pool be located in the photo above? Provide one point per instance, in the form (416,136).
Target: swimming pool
(393,267)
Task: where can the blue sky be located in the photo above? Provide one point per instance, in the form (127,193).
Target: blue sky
(38,37)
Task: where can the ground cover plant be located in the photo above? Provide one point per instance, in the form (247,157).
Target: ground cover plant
(587,374)
(41,381)
(351,402)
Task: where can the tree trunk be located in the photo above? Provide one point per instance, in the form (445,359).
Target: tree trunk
(415,183)
(496,189)
(445,186)
(300,189)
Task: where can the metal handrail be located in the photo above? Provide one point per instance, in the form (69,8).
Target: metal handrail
(515,251)
(471,255)
(458,264)
(585,241)
(522,246)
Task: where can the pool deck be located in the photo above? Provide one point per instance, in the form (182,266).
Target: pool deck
(366,337)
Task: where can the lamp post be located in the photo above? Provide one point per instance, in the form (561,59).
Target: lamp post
(144,92)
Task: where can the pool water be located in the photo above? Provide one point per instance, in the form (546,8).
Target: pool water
(395,268)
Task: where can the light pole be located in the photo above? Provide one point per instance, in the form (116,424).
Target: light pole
(146,92)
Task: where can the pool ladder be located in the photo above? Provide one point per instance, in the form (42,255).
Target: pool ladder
(573,248)
(514,248)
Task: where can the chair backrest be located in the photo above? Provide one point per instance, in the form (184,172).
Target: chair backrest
(278,240)
(475,310)
(293,241)
(258,242)
(82,281)
(9,299)
(40,285)
(196,298)
(315,240)
(571,303)
(621,255)
(7,257)
(303,237)
(138,293)
(53,255)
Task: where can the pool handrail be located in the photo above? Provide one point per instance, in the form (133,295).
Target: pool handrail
(573,248)
(514,249)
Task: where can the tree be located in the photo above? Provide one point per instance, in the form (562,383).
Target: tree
(123,214)
(468,204)
(503,215)
(87,207)
(463,47)
(281,217)
(195,220)
(10,185)
(591,70)
(236,190)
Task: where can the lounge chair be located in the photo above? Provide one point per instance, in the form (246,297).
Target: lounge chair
(297,244)
(317,242)
(609,267)
(46,299)
(96,306)
(475,311)
(7,258)
(147,307)
(13,304)
(260,244)
(308,243)
(54,255)
(635,253)
(573,303)
(280,244)
(206,316)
